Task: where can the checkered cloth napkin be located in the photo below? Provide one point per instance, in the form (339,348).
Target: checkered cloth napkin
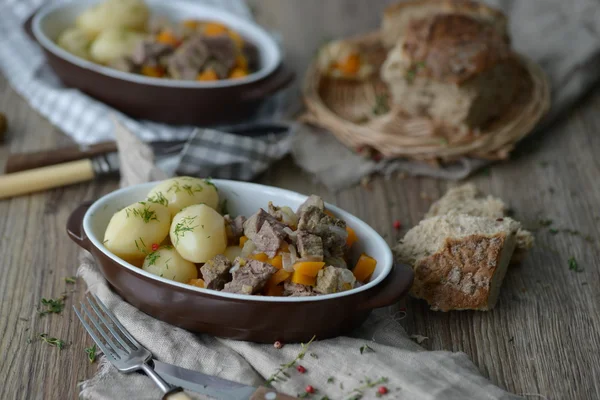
(209,152)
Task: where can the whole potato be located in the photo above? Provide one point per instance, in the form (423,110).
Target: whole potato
(167,263)
(178,193)
(121,14)
(76,41)
(132,231)
(114,43)
(198,233)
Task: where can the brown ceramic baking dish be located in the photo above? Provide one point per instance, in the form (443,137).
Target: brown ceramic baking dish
(254,318)
(164,100)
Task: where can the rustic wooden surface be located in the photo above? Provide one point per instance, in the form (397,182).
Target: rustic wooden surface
(543,337)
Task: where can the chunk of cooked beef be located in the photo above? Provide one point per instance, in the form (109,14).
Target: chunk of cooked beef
(222,49)
(234,227)
(215,272)
(332,230)
(336,261)
(309,245)
(250,51)
(333,280)
(149,52)
(255,222)
(185,63)
(250,278)
(297,290)
(123,64)
(270,237)
(314,201)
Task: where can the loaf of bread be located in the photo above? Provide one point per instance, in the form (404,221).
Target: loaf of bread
(452,68)
(459,261)
(467,199)
(397,17)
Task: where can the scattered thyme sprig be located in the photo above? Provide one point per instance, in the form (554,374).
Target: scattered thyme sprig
(573,266)
(185,225)
(52,341)
(91,353)
(282,369)
(71,279)
(366,348)
(359,391)
(53,306)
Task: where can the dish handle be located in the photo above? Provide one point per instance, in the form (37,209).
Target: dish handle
(281,78)
(75,226)
(27,25)
(393,288)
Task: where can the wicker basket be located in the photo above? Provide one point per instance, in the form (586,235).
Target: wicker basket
(356,112)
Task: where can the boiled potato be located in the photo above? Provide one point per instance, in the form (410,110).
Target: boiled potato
(232,252)
(167,263)
(112,44)
(178,193)
(121,14)
(198,233)
(75,41)
(132,231)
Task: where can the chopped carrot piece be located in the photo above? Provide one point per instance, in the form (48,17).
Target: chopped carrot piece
(155,72)
(279,277)
(352,238)
(243,240)
(237,39)
(238,73)
(167,37)
(364,268)
(350,65)
(260,257)
(274,290)
(214,29)
(191,23)
(303,279)
(276,261)
(207,75)
(329,213)
(197,282)
(309,268)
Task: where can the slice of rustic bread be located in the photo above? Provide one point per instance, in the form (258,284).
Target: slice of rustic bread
(453,69)
(467,199)
(397,16)
(459,261)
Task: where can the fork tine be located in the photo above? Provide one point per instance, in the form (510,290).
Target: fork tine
(119,352)
(116,321)
(109,352)
(125,345)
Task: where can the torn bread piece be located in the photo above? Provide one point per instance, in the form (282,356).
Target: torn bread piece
(467,199)
(459,260)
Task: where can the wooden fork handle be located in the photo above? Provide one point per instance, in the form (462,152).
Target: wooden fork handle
(265,393)
(176,394)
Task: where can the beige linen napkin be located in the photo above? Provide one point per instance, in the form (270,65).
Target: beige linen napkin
(335,367)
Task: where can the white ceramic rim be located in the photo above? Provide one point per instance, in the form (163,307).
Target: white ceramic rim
(265,44)
(356,222)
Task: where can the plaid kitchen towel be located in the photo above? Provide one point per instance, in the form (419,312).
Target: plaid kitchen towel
(208,152)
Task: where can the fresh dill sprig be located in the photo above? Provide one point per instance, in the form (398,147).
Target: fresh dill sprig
(71,279)
(52,341)
(159,198)
(152,257)
(141,248)
(145,213)
(183,226)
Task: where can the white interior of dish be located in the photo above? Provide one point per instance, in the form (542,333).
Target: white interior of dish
(52,19)
(245,199)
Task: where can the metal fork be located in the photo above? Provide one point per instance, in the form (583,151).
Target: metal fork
(121,349)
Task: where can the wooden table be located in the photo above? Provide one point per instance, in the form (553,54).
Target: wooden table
(542,338)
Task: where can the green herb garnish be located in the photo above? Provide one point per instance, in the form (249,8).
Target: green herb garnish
(281,371)
(53,306)
(366,348)
(368,384)
(52,341)
(573,266)
(141,248)
(91,353)
(71,279)
(159,198)
(208,181)
(185,225)
(152,257)
(330,379)
(553,231)
(145,213)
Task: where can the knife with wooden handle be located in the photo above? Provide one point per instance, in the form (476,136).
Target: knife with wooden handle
(58,175)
